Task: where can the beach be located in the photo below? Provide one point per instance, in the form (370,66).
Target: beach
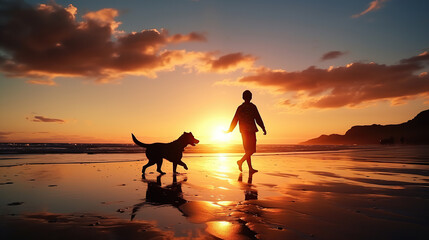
(374,192)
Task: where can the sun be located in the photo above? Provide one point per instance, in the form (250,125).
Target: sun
(218,135)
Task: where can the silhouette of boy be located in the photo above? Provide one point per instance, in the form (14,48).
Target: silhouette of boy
(246,115)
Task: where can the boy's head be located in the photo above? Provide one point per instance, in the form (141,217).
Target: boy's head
(247,96)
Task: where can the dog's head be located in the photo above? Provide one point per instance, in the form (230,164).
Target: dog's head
(189,138)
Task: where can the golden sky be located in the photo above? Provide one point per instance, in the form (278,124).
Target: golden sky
(96,71)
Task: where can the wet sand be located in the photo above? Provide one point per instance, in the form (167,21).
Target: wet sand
(378,193)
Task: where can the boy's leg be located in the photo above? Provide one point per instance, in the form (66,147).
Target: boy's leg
(249,141)
(240,162)
(249,163)
(245,138)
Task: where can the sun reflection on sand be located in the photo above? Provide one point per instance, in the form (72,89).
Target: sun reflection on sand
(224,164)
(223,229)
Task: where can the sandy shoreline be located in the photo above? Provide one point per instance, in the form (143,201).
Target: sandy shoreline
(379,194)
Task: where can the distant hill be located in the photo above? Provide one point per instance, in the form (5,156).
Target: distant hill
(415,131)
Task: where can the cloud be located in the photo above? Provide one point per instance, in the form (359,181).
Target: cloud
(422,57)
(45,119)
(49,82)
(332,55)
(47,41)
(4,136)
(193,36)
(374,5)
(231,62)
(103,17)
(350,85)
(5,133)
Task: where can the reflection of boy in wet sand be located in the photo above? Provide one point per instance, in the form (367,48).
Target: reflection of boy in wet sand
(246,115)
(250,193)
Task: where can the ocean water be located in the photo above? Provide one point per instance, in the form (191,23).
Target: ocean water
(15,154)
(28,148)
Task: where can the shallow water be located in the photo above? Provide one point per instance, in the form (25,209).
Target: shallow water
(376,193)
(40,148)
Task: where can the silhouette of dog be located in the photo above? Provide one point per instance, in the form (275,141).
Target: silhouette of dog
(172,151)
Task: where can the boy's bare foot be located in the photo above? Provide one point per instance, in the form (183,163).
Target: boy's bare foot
(252,170)
(239,165)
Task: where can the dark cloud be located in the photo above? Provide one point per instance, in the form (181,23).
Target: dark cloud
(332,55)
(45,119)
(349,85)
(232,61)
(45,41)
(419,59)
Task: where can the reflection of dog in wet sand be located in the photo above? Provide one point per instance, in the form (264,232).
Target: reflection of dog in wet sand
(172,151)
(158,195)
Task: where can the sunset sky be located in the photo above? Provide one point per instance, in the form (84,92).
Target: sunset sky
(95,71)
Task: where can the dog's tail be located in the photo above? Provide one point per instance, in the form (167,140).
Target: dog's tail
(138,142)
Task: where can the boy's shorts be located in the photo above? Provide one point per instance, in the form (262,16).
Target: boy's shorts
(249,142)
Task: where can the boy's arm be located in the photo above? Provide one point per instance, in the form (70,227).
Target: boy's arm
(233,122)
(259,121)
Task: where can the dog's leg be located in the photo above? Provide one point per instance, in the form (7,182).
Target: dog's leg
(182,164)
(150,163)
(174,168)
(158,166)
